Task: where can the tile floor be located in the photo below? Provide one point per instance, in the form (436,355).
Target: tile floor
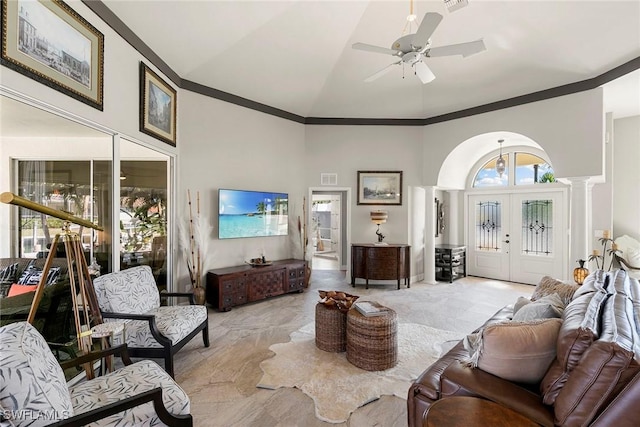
(221,380)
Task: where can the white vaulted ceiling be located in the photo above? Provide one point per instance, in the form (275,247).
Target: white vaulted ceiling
(296,55)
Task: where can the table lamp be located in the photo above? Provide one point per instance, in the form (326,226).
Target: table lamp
(379,217)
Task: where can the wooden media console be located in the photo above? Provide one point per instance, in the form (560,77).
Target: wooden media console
(231,286)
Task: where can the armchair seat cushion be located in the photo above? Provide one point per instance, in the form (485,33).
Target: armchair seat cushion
(174,322)
(32,379)
(126,382)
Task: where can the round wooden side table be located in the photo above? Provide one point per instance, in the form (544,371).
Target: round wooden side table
(106,332)
(469,411)
(372,342)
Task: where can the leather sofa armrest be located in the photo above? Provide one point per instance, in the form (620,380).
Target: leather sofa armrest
(428,383)
(460,379)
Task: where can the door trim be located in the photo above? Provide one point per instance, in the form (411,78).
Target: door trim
(345,220)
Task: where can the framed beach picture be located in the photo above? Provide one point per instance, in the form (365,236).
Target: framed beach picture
(380,187)
(157,106)
(50,43)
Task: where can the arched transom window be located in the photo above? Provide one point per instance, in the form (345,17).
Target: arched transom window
(525,168)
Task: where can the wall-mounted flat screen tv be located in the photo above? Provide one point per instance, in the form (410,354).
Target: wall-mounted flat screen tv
(243,213)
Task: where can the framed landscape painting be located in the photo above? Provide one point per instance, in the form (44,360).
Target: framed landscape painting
(50,43)
(157,106)
(380,187)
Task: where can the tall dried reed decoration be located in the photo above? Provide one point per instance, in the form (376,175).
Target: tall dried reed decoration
(194,256)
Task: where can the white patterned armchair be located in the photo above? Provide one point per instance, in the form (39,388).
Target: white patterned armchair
(151,330)
(33,390)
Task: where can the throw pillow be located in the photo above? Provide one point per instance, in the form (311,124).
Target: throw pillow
(517,351)
(32,276)
(7,278)
(549,285)
(17,289)
(521,302)
(546,307)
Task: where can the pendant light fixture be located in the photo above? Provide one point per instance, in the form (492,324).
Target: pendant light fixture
(501,164)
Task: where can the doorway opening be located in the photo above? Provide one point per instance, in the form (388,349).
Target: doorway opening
(328,230)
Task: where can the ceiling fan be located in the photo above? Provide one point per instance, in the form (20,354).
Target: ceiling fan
(413,48)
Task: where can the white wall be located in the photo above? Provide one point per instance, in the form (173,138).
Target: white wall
(626,177)
(345,150)
(565,127)
(226,146)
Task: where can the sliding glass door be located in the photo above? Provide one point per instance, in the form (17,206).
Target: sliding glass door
(144,209)
(78,187)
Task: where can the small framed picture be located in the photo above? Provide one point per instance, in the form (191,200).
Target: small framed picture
(157,106)
(50,43)
(380,187)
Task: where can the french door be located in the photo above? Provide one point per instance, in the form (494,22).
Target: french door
(517,237)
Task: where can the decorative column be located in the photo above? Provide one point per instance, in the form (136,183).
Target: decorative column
(429,232)
(580,220)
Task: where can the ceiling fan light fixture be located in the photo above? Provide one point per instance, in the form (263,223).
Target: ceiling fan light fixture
(453,5)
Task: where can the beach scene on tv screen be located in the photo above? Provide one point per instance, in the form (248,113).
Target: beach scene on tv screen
(252,214)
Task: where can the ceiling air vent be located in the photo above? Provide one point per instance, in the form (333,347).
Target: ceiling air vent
(329,179)
(453,5)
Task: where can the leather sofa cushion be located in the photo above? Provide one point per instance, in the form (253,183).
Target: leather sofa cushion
(517,351)
(624,407)
(579,329)
(604,368)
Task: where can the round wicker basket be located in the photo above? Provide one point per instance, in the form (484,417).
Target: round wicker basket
(331,329)
(372,342)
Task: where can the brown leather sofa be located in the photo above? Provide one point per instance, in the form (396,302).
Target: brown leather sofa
(593,381)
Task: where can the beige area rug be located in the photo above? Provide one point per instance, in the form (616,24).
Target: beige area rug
(336,386)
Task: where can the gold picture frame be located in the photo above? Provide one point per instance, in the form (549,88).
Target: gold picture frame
(50,43)
(380,187)
(158,106)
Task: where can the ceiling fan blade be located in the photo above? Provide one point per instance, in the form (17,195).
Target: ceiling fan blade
(376,49)
(423,72)
(380,73)
(464,49)
(428,25)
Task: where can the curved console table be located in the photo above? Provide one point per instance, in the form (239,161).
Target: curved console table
(380,262)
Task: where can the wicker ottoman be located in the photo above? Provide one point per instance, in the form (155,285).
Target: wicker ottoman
(372,342)
(331,329)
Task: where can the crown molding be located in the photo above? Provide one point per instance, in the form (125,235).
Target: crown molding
(104,13)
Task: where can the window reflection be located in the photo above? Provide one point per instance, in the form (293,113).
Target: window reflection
(70,186)
(144,210)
